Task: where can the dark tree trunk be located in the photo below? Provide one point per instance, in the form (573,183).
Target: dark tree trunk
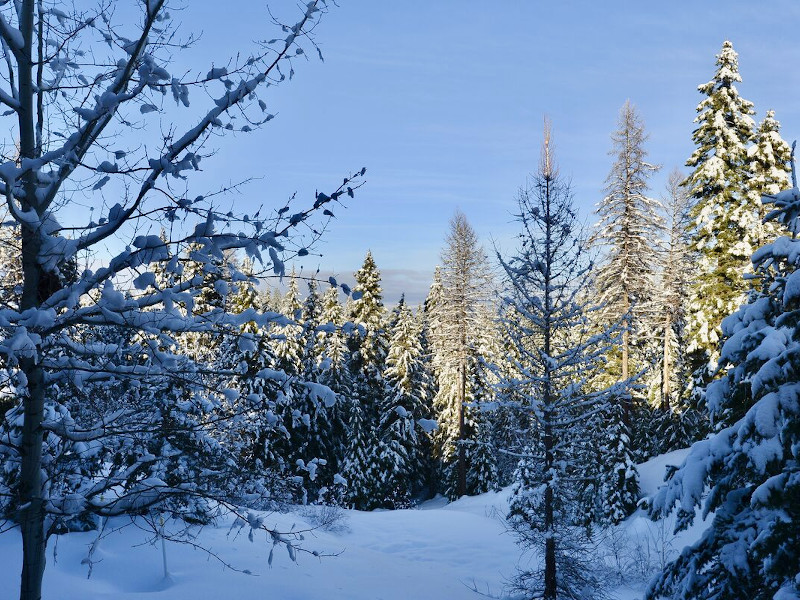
(461,487)
(31,503)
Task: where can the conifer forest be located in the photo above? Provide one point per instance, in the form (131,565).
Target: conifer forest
(607,402)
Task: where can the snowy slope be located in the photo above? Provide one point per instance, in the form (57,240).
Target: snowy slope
(435,552)
(432,553)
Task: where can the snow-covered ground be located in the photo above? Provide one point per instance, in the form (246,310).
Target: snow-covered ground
(437,551)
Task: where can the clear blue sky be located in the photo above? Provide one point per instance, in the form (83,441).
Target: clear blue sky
(443,101)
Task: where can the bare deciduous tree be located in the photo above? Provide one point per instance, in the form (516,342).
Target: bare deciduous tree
(83,103)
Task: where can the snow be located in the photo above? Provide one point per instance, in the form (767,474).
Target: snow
(432,553)
(651,473)
(437,550)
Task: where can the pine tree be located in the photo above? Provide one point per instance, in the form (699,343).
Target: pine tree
(548,322)
(244,294)
(751,550)
(428,323)
(289,337)
(725,218)
(482,456)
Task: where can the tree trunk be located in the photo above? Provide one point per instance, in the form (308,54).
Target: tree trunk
(626,400)
(31,502)
(31,512)
(550,587)
(550,581)
(461,487)
(625,343)
(666,373)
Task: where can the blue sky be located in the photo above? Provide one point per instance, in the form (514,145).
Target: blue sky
(443,102)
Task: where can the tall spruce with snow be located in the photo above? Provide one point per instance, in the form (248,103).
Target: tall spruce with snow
(428,322)
(333,372)
(407,401)
(366,458)
(768,166)
(547,320)
(158,446)
(485,367)
(315,443)
(751,464)
(368,341)
(465,289)
(725,224)
(363,461)
(289,344)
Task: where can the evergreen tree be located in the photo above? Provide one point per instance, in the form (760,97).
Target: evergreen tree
(725,224)
(362,463)
(768,172)
(334,373)
(674,423)
(428,323)
(406,402)
(628,228)
(751,550)
(548,323)
(289,337)
(244,294)
(368,343)
(465,289)
(482,460)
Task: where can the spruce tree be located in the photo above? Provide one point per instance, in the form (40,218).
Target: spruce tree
(768,172)
(368,341)
(362,463)
(725,224)
(747,472)
(406,401)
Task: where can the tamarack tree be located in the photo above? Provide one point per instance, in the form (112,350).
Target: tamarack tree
(113,444)
(547,321)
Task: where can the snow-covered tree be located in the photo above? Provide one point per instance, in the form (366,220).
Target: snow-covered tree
(289,337)
(747,473)
(368,341)
(725,224)
(628,229)
(676,424)
(334,373)
(465,289)
(768,172)
(90,125)
(547,319)
(362,467)
(406,401)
